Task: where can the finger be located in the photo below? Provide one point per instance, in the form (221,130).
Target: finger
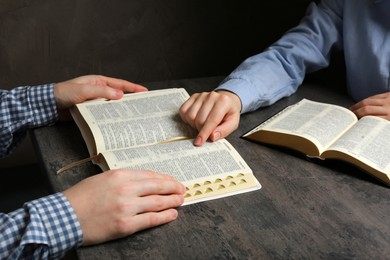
(154,186)
(121,84)
(225,129)
(361,104)
(156,203)
(371,110)
(214,120)
(151,219)
(99,91)
(197,107)
(371,101)
(387,116)
(209,110)
(220,115)
(192,112)
(183,111)
(142,175)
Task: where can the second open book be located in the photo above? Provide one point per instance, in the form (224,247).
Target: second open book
(330,131)
(145,131)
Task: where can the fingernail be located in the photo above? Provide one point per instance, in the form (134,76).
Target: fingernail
(183,189)
(175,214)
(198,140)
(216,136)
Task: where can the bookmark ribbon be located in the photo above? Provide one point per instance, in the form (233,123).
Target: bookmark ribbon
(69,166)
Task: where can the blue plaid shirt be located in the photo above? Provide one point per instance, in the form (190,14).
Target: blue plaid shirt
(43,228)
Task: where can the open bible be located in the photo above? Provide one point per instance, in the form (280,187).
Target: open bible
(144,131)
(329,131)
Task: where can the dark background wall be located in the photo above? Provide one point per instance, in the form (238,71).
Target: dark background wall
(140,40)
(44,41)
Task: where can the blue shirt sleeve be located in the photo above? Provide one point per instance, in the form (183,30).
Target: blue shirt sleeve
(22,108)
(43,229)
(359,28)
(277,72)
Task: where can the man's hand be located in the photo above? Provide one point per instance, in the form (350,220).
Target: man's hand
(378,105)
(214,114)
(119,203)
(78,90)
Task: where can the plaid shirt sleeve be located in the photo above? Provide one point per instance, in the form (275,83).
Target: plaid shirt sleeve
(48,227)
(22,108)
(43,229)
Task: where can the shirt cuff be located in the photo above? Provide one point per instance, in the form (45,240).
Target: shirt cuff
(43,104)
(240,88)
(61,229)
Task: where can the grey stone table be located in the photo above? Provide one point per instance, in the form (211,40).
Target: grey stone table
(305,209)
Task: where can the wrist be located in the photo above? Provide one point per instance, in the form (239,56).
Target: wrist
(236,100)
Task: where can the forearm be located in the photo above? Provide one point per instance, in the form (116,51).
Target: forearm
(44,228)
(277,72)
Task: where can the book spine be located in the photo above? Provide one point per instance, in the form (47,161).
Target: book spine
(277,115)
(270,119)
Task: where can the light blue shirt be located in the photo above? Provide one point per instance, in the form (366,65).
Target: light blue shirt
(360,28)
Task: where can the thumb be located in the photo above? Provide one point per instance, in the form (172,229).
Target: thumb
(100,91)
(223,130)
(88,92)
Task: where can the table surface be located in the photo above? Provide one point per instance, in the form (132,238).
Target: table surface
(305,209)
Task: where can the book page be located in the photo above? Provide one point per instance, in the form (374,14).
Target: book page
(181,159)
(211,168)
(136,119)
(369,142)
(319,122)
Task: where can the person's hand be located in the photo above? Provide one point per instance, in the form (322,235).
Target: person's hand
(78,90)
(378,105)
(118,203)
(214,114)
